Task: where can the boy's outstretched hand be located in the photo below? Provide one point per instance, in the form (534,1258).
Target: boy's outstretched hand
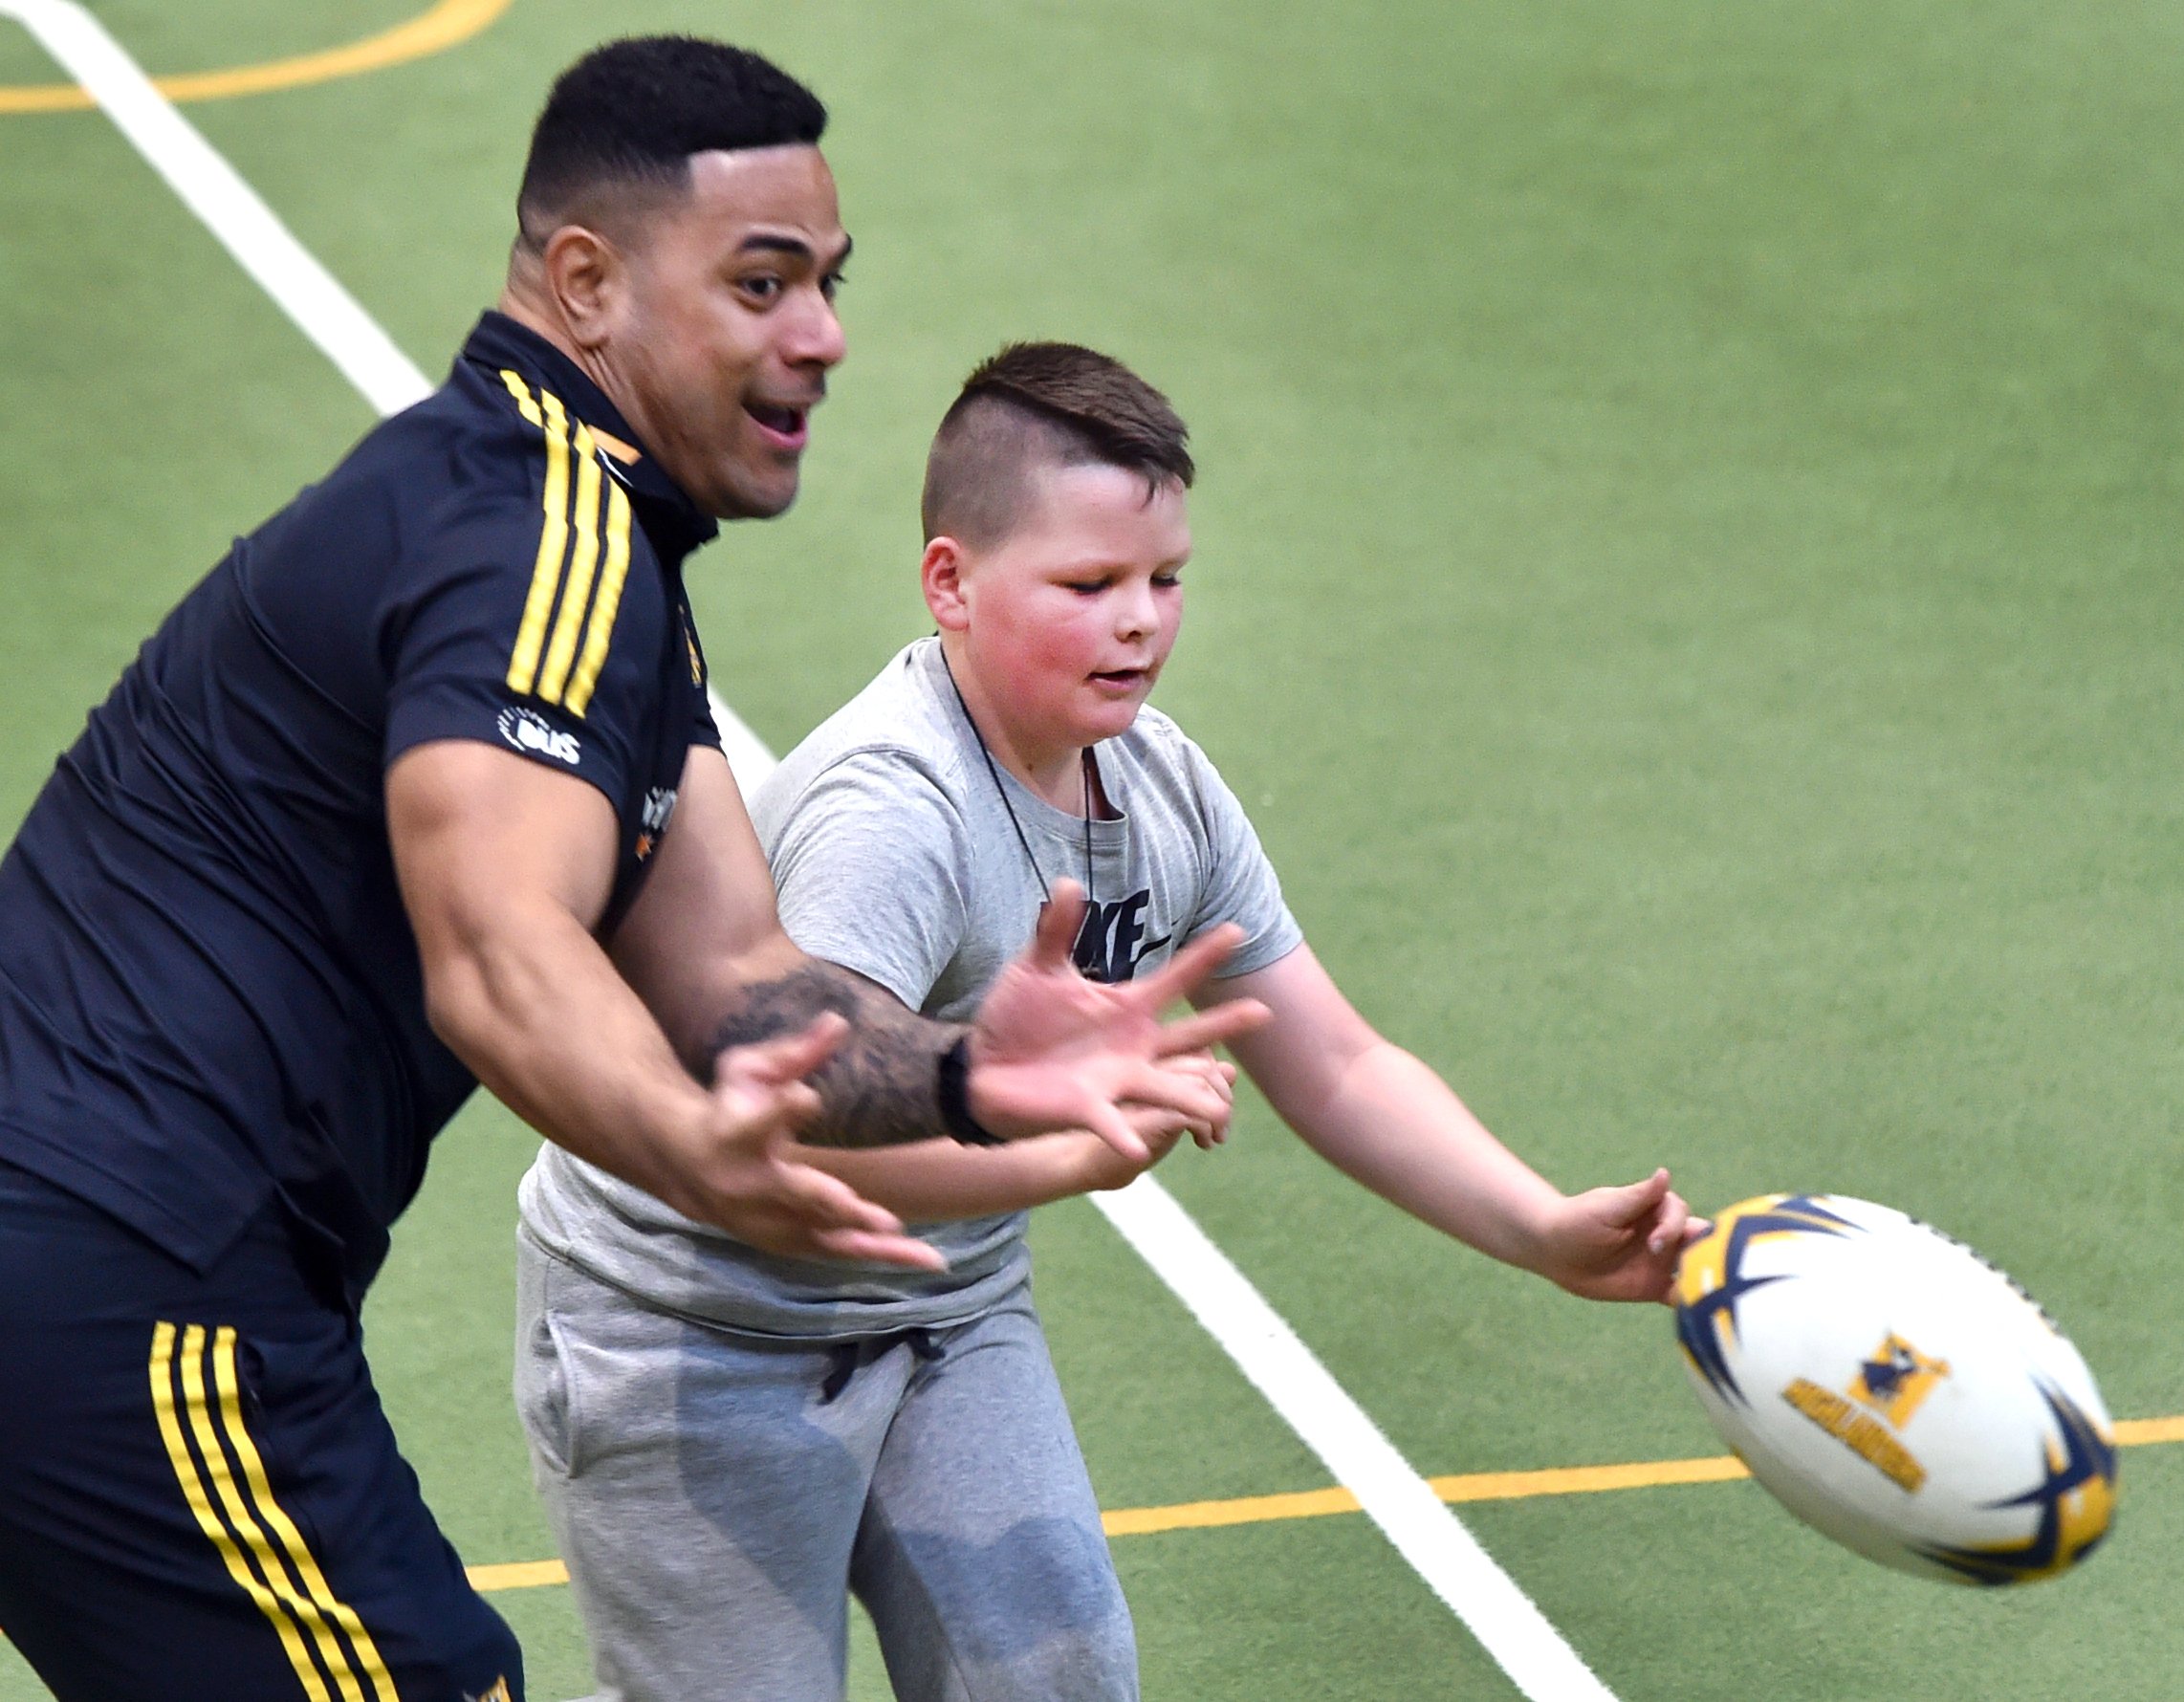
(1052,1050)
(1621,1243)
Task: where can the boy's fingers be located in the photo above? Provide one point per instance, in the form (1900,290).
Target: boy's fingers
(1058,921)
(1628,1206)
(1668,1227)
(1180,1091)
(1223,1022)
(1195,963)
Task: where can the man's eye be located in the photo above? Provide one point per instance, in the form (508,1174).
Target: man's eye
(764,288)
(831,284)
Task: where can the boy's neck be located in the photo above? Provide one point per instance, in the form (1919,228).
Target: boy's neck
(1056,776)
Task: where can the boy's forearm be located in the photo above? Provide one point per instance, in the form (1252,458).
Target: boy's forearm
(1395,1126)
(939,1181)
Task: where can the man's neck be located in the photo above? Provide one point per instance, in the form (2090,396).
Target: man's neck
(540,317)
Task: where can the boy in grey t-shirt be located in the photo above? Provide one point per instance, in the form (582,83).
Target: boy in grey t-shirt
(729,1442)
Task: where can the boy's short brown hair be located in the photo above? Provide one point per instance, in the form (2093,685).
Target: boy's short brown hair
(1051,404)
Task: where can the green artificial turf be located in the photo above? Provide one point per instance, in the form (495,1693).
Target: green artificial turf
(1687,587)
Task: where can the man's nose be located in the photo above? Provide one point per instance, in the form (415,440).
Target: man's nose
(815,336)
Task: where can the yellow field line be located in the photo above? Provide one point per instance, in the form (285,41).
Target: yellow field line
(445,25)
(1470,1486)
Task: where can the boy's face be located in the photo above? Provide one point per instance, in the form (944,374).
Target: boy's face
(1068,619)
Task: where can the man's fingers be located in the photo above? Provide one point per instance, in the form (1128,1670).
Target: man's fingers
(1196,962)
(1058,921)
(906,1250)
(1220,1022)
(1111,1125)
(824,1202)
(786,1057)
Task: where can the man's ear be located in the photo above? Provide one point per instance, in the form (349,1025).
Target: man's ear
(588,278)
(942,573)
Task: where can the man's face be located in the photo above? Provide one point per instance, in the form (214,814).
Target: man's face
(1072,615)
(728,330)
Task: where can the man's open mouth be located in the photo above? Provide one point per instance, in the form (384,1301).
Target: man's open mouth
(787,423)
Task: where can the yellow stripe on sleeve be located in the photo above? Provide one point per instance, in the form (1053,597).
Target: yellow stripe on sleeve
(583,559)
(521,392)
(553,544)
(606,603)
(283,1527)
(201,1504)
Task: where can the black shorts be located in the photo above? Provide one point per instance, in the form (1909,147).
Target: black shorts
(200,1497)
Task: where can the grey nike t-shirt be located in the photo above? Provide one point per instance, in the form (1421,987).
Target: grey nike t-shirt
(896,856)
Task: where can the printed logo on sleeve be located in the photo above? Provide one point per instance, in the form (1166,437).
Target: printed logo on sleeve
(528,731)
(659,806)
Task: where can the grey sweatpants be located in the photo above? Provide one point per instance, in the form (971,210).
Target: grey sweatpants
(717,1498)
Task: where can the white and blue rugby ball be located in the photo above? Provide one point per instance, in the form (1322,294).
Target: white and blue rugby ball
(1895,1391)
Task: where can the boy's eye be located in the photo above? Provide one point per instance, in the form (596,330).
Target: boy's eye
(1085,587)
(1167,581)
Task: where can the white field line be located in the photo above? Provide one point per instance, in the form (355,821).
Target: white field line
(230,208)
(1423,1529)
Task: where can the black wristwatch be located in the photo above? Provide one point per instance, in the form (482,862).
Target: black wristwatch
(953,1093)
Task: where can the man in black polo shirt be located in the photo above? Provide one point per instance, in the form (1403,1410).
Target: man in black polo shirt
(418,788)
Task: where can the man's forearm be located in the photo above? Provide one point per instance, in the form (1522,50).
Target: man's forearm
(881,1088)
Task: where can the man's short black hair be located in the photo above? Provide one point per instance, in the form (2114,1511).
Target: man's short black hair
(630,114)
(1044,404)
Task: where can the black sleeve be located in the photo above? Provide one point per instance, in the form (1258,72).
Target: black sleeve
(534,625)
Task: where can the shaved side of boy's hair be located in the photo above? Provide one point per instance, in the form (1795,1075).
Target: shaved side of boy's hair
(1043,404)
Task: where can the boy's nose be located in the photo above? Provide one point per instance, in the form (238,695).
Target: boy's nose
(1135,615)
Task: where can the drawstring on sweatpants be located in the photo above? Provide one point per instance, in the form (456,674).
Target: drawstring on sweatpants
(848,1356)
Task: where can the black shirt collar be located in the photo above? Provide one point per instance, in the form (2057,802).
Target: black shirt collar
(498,341)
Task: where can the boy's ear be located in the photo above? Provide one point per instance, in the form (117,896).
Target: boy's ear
(941,575)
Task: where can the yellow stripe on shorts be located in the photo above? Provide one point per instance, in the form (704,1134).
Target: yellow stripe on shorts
(287,1585)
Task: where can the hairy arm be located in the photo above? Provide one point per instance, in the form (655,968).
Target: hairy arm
(1380,1115)
(506,867)
(704,948)
(878,1087)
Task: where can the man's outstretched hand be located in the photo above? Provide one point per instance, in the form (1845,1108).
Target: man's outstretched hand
(1051,1050)
(748,1180)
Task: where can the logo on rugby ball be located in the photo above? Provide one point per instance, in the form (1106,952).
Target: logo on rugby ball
(1888,1389)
